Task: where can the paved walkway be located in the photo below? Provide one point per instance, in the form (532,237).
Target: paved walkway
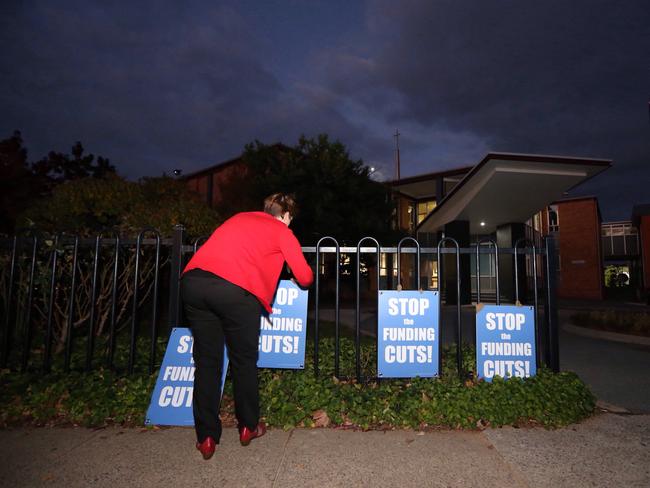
(617,373)
(606,451)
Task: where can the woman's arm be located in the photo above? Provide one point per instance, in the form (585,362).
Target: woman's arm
(294,257)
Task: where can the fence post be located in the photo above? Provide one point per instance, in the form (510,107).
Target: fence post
(357,336)
(553,355)
(8,325)
(175,275)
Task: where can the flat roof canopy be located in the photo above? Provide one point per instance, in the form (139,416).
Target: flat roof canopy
(505,188)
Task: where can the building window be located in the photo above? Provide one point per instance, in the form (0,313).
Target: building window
(553,219)
(424,209)
(411,213)
(384,269)
(619,239)
(537,222)
(434,275)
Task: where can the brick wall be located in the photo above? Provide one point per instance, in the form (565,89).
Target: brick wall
(581,270)
(219,176)
(235,170)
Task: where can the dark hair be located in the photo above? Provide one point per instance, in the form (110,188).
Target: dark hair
(279,203)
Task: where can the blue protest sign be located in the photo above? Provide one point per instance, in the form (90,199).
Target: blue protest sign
(407,341)
(171,401)
(505,341)
(283,333)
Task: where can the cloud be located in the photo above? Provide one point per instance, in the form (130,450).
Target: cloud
(549,77)
(530,76)
(150,93)
(154,86)
(161,85)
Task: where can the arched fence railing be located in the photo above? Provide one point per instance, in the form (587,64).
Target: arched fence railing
(119,297)
(459,322)
(337,307)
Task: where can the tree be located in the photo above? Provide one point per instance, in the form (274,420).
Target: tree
(335,193)
(87,207)
(91,205)
(57,167)
(16,181)
(22,183)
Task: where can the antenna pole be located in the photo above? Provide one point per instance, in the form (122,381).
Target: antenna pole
(397,161)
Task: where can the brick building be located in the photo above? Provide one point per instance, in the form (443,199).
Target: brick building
(209,182)
(641,221)
(575,224)
(506,197)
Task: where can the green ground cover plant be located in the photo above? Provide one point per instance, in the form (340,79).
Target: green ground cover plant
(623,322)
(298,398)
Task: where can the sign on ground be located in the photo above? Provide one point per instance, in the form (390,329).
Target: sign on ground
(281,345)
(171,401)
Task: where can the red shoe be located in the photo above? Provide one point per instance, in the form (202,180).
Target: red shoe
(246,435)
(207,447)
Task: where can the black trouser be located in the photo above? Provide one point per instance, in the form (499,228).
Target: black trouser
(216,311)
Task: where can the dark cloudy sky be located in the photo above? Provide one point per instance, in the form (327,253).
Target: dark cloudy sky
(158,85)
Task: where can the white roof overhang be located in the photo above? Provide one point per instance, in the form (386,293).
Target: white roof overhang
(506,188)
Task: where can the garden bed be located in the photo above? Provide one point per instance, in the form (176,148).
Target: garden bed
(621,322)
(299,399)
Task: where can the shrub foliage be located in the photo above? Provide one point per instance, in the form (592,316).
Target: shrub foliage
(622,322)
(298,398)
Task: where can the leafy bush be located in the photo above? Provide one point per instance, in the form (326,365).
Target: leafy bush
(93,399)
(91,205)
(86,207)
(297,398)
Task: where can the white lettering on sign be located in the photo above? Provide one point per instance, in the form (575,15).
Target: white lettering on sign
(185,344)
(175,396)
(286,296)
(179,373)
(279,343)
(407,306)
(408,354)
(287,324)
(502,320)
(506,368)
(409,334)
(506,349)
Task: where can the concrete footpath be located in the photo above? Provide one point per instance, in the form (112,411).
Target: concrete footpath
(605,451)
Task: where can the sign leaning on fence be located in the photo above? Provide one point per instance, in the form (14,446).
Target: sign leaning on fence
(283,333)
(408,334)
(505,341)
(282,345)
(171,401)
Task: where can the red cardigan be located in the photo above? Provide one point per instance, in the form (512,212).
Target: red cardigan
(249,250)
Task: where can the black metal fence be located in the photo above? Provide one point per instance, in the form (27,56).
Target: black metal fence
(63,292)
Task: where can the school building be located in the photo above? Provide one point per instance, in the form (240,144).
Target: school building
(507,197)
